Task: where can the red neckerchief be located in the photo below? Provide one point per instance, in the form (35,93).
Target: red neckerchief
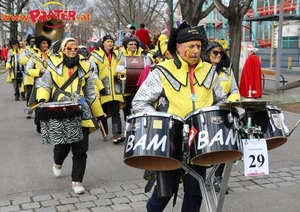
(109,59)
(71,71)
(45,56)
(191,73)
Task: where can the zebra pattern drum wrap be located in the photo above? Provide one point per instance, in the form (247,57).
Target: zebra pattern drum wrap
(61,122)
(61,131)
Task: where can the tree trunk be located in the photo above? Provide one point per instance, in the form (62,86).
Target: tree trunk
(235,47)
(192,10)
(13,29)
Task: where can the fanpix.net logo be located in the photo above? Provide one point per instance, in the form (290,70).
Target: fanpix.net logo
(44,16)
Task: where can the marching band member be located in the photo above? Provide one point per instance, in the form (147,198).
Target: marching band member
(221,63)
(54,86)
(179,86)
(130,47)
(35,69)
(28,80)
(107,58)
(15,69)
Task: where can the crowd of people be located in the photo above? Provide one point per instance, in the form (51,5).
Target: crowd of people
(182,71)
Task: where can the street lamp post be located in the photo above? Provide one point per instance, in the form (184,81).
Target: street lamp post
(171,14)
(118,16)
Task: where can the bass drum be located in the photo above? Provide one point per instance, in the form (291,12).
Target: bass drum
(134,66)
(213,138)
(153,141)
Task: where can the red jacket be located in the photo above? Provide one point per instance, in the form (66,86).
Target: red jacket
(4,53)
(144,37)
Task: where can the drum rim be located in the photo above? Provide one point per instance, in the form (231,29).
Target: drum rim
(60,104)
(155,113)
(210,108)
(272,107)
(130,57)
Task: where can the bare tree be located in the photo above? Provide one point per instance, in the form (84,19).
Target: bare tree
(192,10)
(113,14)
(234,13)
(14,8)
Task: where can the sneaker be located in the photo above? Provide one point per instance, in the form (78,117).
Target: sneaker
(16,98)
(57,170)
(23,98)
(28,116)
(118,138)
(77,187)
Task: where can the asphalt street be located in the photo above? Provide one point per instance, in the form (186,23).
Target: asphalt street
(28,184)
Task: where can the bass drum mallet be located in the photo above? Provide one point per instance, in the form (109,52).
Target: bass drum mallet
(29,110)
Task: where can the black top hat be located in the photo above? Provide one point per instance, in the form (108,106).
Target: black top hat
(185,27)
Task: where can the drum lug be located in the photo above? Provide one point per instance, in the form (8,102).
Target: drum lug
(145,121)
(272,125)
(236,125)
(64,109)
(230,118)
(186,129)
(202,118)
(185,142)
(171,123)
(128,126)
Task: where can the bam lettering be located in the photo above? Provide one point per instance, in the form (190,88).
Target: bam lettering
(154,144)
(203,138)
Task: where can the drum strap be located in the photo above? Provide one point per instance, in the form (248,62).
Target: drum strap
(61,89)
(151,182)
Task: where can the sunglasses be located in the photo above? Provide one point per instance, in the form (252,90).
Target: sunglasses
(70,48)
(217,52)
(132,44)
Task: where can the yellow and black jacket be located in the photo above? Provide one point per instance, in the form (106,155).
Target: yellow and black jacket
(55,77)
(168,89)
(13,64)
(107,75)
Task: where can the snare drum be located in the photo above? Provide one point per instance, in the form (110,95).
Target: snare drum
(153,141)
(271,126)
(60,122)
(213,138)
(134,66)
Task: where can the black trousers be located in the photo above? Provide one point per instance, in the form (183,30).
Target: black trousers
(113,108)
(29,90)
(127,108)
(79,151)
(17,83)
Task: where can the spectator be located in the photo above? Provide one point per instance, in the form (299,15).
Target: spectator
(250,85)
(143,35)
(4,54)
(132,30)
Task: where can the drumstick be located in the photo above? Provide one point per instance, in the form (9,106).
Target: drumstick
(102,128)
(29,110)
(105,136)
